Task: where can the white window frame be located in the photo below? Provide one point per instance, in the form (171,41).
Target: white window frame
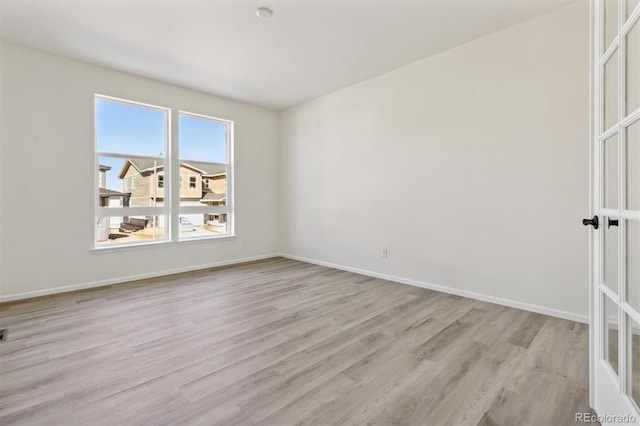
(130,211)
(228,208)
(171,208)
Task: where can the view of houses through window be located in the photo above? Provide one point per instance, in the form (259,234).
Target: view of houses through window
(135,176)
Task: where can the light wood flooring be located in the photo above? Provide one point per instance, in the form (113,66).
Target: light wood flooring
(280,342)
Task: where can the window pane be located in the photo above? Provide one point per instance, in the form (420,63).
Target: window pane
(611,254)
(633,263)
(203,162)
(610,104)
(610,21)
(118,230)
(610,166)
(611,335)
(631,4)
(130,182)
(202,225)
(130,129)
(633,166)
(634,345)
(633,68)
(203,139)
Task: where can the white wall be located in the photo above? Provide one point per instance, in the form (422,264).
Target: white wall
(46,155)
(471,167)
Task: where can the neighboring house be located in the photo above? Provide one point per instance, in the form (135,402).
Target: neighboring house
(200,183)
(109,197)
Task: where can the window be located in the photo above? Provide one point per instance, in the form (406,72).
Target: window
(133,157)
(204,146)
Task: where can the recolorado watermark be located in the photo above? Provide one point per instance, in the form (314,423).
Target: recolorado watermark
(605,418)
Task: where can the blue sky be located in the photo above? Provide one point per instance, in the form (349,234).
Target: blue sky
(127,129)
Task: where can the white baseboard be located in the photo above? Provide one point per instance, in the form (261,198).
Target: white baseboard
(444,289)
(572,316)
(120,280)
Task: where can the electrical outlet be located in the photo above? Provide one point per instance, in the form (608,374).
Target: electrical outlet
(384,252)
(245,242)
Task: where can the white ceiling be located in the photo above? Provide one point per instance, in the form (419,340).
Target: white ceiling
(307,49)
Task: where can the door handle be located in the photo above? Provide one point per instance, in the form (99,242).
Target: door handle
(593,222)
(612,222)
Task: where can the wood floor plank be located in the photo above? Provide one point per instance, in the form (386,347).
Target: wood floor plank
(280,342)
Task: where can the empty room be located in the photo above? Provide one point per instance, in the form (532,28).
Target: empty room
(327,212)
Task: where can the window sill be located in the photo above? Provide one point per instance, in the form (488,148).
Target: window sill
(109,249)
(204,239)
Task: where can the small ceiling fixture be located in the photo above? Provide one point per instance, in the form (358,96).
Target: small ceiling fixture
(264,12)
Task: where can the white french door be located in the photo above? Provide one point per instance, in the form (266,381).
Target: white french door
(615,262)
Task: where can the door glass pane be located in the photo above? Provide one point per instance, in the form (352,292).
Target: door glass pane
(631,4)
(633,166)
(611,254)
(610,21)
(633,68)
(633,263)
(611,332)
(610,104)
(610,166)
(634,347)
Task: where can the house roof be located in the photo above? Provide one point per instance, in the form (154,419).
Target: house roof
(207,169)
(213,196)
(146,165)
(139,164)
(104,192)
